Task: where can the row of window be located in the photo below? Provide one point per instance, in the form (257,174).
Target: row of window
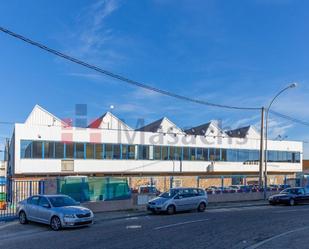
(60,150)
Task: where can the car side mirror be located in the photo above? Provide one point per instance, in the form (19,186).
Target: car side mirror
(46,206)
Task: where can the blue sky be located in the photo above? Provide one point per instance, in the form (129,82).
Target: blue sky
(229,52)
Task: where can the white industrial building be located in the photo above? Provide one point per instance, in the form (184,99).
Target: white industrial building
(44,145)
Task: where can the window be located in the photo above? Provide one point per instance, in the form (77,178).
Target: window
(124,151)
(108,151)
(59,149)
(131,151)
(43,201)
(178,153)
(199,154)
(117,150)
(157,152)
(232,155)
(69,150)
(49,149)
(254,155)
(99,151)
(205,154)
(214,154)
(223,155)
(172,153)
(79,151)
(186,153)
(33,200)
(164,153)
(25,149)
(143,152)
(243,155)
(90,151)
(37,149)
(192,155)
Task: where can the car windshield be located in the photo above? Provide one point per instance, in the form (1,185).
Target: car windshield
(169,194)
(62,201)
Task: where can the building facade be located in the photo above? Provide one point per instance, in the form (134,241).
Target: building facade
(45,145)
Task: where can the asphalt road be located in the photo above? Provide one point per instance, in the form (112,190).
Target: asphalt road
(247,227)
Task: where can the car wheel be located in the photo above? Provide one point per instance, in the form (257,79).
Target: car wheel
(201,207)
(291,202)
(55,223)
(22,218)
(170,209)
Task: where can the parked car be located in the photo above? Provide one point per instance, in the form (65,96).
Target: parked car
(290,196)
(148,189)
(211,190)
(179,199)
(58,211)
(273,187)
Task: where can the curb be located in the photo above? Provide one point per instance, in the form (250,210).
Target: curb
(145,213)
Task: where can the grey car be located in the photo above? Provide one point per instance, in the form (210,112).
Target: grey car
(179,199)
(58,211)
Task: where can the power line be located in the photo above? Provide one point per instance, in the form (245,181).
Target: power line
(295,120)
(119,77)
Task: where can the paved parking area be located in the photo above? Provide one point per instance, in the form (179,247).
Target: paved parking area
(239,227)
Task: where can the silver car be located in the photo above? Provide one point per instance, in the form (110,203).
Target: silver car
(58,211)
(179,199)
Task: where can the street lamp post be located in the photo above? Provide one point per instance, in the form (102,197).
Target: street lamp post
(293,85)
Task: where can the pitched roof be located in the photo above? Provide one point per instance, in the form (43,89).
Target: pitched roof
(40,116)
(161,125)
(199,130)
(109,121)
(242,132)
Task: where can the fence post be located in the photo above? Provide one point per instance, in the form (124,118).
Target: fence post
(222,183)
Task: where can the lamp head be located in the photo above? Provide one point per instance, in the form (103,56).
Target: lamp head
(293,85)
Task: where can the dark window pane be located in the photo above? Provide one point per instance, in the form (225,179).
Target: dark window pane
(25,149)
(99,151)
(232,155)
(79,150)
(143,152)
(37,149)
(89,151)
(192,156)
(164,153)
(49,149)
(172,153)
(59,149)
(117,151)
(199,154)
(69,150)
(178,153)
(157,152)
(108,151)
(205,154)
(131,151)
(212,154)
(124,151)
(223,155)
(186,153)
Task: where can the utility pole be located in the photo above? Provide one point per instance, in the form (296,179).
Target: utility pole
(261,149)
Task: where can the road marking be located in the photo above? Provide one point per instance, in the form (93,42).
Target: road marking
(132,218)
(276,237)
(293,210)
(134,227)
(179,224)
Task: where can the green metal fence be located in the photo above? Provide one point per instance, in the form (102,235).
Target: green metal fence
(84,189)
